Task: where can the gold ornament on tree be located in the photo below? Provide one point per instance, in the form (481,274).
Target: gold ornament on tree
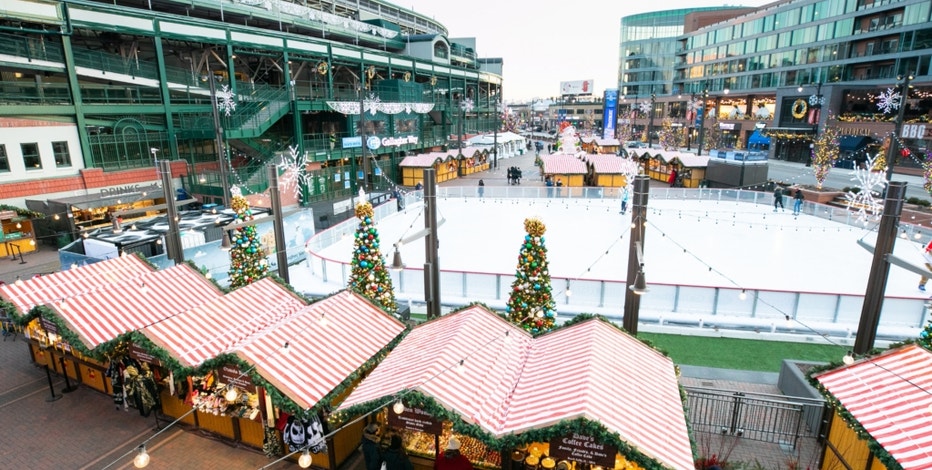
(534,227)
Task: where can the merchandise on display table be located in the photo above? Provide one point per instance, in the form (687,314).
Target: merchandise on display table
(422,445)
(220,399)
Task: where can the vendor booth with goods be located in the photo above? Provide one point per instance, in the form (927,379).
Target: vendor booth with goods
(882,409)
(171,340)
(680,169)
(568,169)
(609,171)
(443,163)
(582,396)
(472,160)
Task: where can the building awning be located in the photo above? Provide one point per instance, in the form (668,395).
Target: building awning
(853,143)
(505,385)
(103,199)
(41,290)
(888,395)
(561,164)
(758,139)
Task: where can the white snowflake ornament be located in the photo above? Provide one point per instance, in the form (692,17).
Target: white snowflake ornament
(866,200)
(645,107)
(293,167)
(226,100)
(889,101)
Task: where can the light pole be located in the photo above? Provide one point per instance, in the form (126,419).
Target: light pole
(636,282)
(362,138)
(903,85)
(466,105)
(218,139)
(700,111)
(650,123)
(498,115)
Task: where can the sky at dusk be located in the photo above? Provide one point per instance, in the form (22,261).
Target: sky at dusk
(545,42)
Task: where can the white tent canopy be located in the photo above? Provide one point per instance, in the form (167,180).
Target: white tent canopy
(509,143)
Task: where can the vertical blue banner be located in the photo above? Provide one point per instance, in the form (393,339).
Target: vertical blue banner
(561,115)
(609,113)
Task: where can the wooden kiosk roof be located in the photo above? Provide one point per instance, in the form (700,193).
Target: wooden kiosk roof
(562,164)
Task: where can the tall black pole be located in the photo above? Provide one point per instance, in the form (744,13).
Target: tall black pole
(880,268)
(173,237)
(64,372)
(218,140)
(639,220)
(431,246)
(48,375)
(281,249)
(495,136)
(701,123)
(362,137)
(650,123)
(459,139)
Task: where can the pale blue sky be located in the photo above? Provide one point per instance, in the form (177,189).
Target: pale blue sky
(545,42)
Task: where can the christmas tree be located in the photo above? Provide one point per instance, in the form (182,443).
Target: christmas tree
(369,276)
(531,304)
(668,136)
(247,259)
(925,336)
(825,153)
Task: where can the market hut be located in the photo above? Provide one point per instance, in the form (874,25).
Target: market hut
(687,169)
(472,160)
(501,392)
(412,167)
(882,406)
(564,167)
(609,171)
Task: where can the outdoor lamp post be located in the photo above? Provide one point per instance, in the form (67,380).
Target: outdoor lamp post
(431,246)
(700,122)
(650,123)
(218,139)
(816,101)
(903,85)
(498,122)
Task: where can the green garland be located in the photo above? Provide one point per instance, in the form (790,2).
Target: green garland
(12,311)
(876,449)
(22,212)
(584,426)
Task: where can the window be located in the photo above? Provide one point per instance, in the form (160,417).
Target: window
(4,161)
(31,156)
(62,156)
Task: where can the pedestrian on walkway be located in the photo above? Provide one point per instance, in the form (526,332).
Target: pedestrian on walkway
(798,201)
(778,198)
(481,188)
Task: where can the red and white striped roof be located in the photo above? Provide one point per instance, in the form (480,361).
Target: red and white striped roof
(513,383)
(218,327)
(111,310)
(563,165)
(327,341)
(40,290)
(606,164)
(424,160)
(890,395)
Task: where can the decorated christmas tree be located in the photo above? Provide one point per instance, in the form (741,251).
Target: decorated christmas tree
(247,258)
(668,136)
(369,276)
(825,153)
(925,336)
(531,305)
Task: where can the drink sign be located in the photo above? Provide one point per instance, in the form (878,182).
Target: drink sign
(415,419)
(141,355)
(582,448)
(232,375)
(49,326)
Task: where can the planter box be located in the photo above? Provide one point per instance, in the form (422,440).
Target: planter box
(821,197)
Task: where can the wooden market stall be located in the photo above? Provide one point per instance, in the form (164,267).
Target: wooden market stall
(596,145)
(568,169)
(17,235)
(608,171)
(688,169)
(412,168)
(473,160)
(508,396)
(881,406)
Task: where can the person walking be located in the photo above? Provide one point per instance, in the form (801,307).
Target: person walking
(624,200)
(370,447)
(798,201)
(395,457)
(481,188)
(778,198)
(452,459)
(927,254)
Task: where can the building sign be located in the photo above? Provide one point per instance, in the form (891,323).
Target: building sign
(415,419)
(916,131)
(578,87)
(373,142)
(142,355)
(582,448)
(352,142)
(396,141)
(128,189)
(608,113)
(728,126)
(49,327)
(233,376)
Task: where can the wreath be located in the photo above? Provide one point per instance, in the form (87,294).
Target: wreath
(407,76)
(799,108)
(322,68)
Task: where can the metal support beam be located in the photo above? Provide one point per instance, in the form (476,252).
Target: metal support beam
(638,219)
(431,246)
(278,222)
(218,139)
(173,237)
(880,268)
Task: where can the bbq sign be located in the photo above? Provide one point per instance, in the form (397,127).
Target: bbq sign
(583,449)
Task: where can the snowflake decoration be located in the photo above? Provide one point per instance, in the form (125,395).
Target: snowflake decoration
(816,101)
(371,104)
(236,191)
(865,200)
(645,107)
(467,105)
(694,105)
(630,169)
(888,101)
(293,166)
(226,100)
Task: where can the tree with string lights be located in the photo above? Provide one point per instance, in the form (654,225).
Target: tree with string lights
(531,305)
(925,336)
(247,258)
(668,136)
(825,153)
(369,277)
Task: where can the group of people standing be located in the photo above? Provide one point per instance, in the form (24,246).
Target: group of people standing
(798,198)
(514,175)
(395,458)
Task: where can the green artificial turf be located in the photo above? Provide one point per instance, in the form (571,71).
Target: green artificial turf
(740,354)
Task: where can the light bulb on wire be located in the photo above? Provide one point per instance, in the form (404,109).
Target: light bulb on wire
(305,459)
(141,460)
(398,407)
